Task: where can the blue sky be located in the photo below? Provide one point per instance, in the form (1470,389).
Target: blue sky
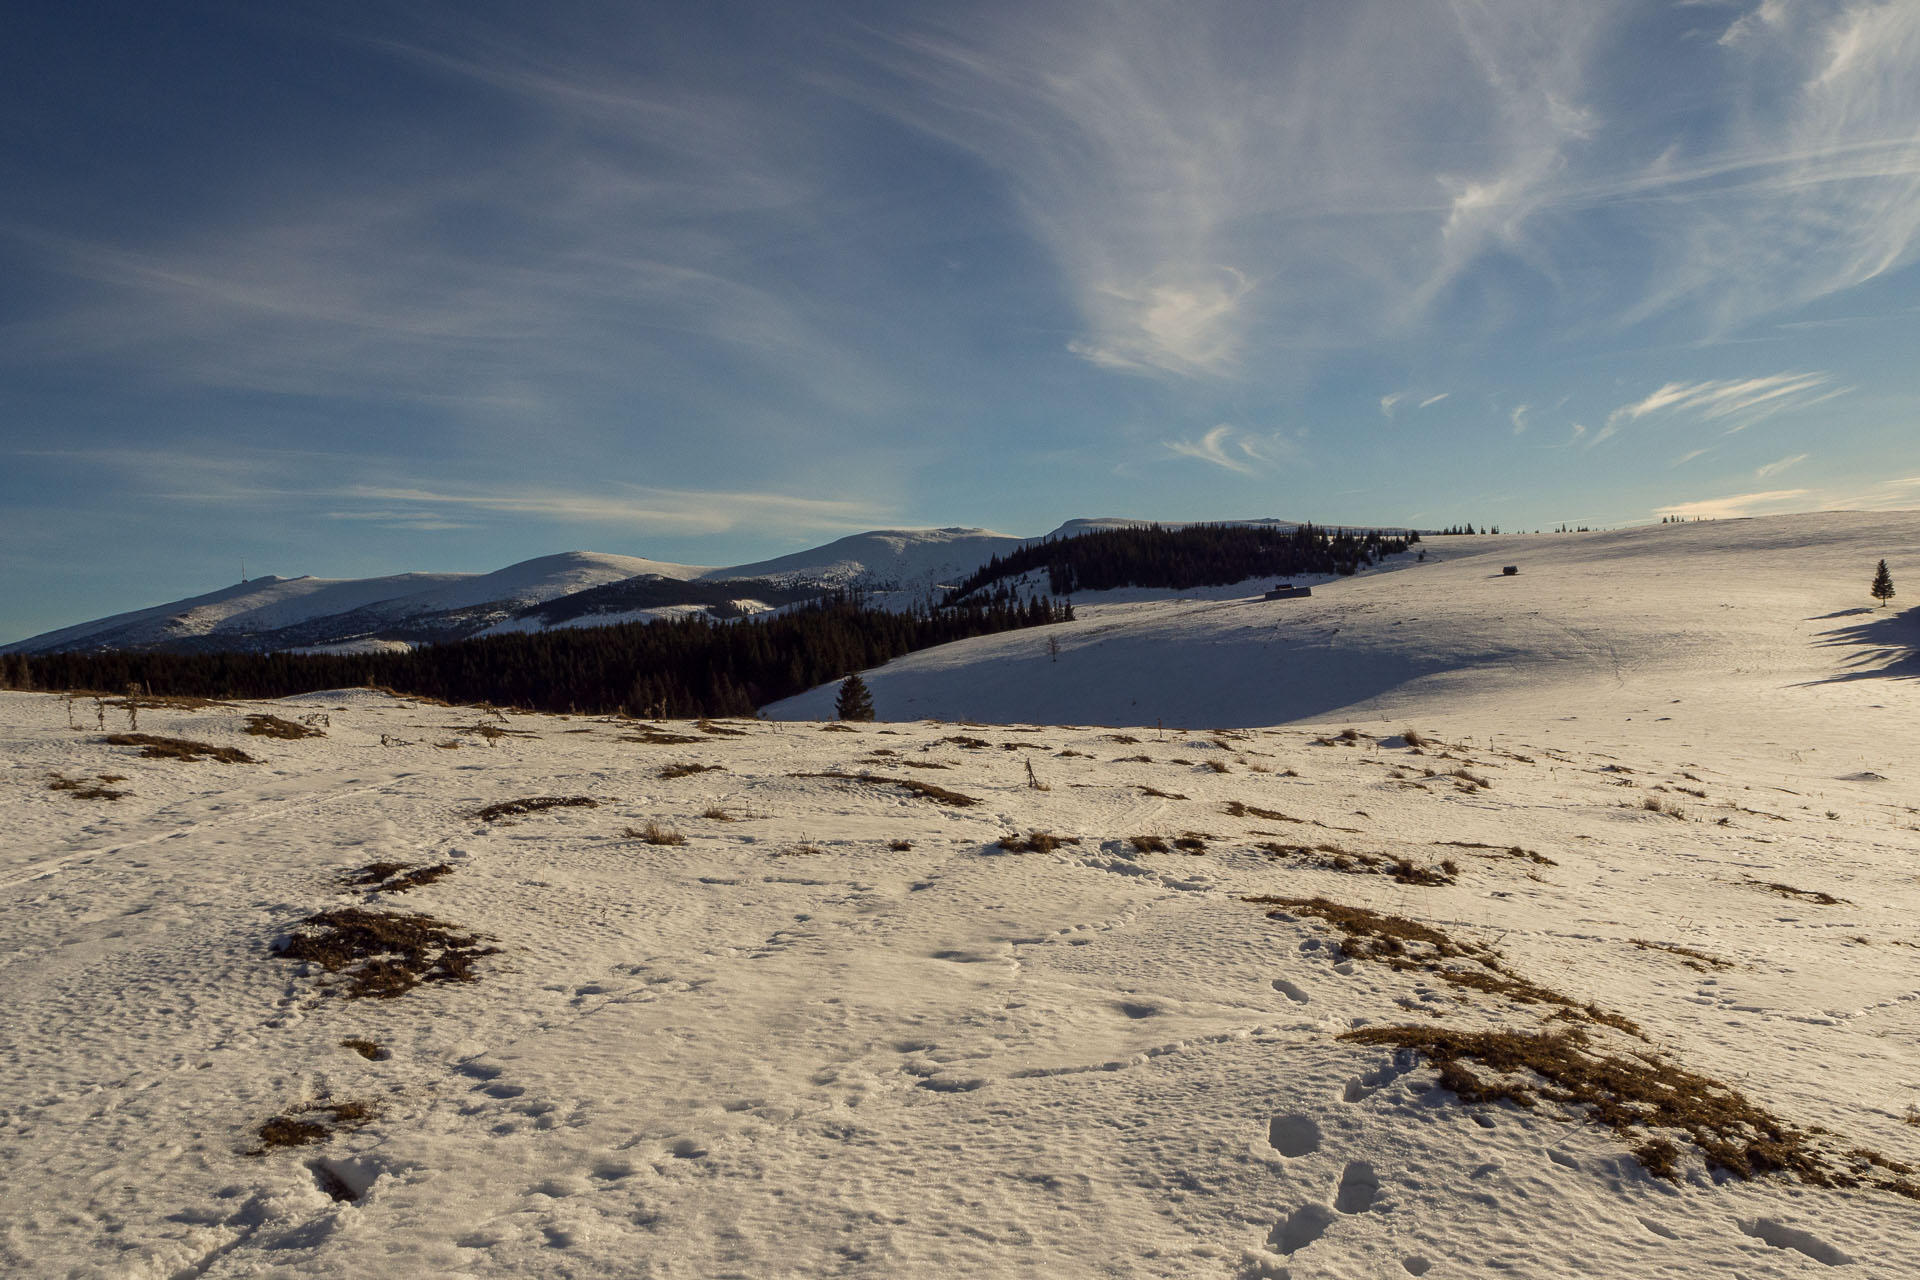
(349,290)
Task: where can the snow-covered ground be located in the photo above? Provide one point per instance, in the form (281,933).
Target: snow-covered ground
(790,1046)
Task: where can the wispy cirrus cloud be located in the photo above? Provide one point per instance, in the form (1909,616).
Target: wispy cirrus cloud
(1232,448)
(1390,404)
(635,507)
(1733,403)
(1776,467)
(1734,506)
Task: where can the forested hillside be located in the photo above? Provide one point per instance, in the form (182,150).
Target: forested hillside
(682,667)
(1199,555)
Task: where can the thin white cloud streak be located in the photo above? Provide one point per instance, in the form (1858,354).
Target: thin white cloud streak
(1519,418)
(1431,401)
(1733,506)
(687,511)
(1732,403)
(1783,464)
(1233,449)
(1388,403)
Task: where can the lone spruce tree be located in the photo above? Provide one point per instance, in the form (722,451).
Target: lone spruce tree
(854,702)
(1882,587)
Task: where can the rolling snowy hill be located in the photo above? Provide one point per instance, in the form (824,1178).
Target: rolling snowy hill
(809,999)
(897,567)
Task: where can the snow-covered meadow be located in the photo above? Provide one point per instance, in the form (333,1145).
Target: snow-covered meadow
(862,1022)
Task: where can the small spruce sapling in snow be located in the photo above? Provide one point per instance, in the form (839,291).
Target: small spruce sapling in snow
(854,702)
(1882,587)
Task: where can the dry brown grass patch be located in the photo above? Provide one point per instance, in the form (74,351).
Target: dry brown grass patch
(1699,960)
(1511,851)
(1157,793)
(371,1050)
(1035,842)
(381,954)
(533,804)
(1802,895)
(688,770)
(82,789)
(266,726)
(1646,1101)
(655,833)
(396,877)
(312,1124)
(1332,857)
(1149,844)
(658,738)
(1408,945)
(715,813)
(155,747)
(1237,810)
(970,744)
(900,846)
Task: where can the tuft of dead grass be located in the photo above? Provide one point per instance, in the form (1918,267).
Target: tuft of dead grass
(655,833)
(1511,851)
(1035,842)
(1408,945)
(371,1050)
(1803,895)
(1149,844)
(1235,809)
(900,846)
(925,790)
(1157,793)
(1698,960)
(533,804)
(380,955)
(688,770)
(155,747)
(659,738)
(714,813)
(1645,1100)
(312,1124)
(82,789)
(266,726)
(395,877)
(1332,857)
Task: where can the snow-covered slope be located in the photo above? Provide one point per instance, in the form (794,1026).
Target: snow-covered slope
(847,1029)
(898,560)
(897,566)
(1771,608)
(259,604)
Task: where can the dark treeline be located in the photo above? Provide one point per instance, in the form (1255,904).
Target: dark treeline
(679,667)
(1198,555)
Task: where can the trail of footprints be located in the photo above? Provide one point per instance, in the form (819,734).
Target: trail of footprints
(1298,1135)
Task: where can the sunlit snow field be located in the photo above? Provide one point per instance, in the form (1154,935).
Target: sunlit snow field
(852,1027)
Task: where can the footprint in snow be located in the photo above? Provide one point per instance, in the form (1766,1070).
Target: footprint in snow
(1359,1184)
(1294,1135)
(1290,991)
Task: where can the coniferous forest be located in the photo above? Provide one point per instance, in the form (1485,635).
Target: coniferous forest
(1196,555)
(676,668)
